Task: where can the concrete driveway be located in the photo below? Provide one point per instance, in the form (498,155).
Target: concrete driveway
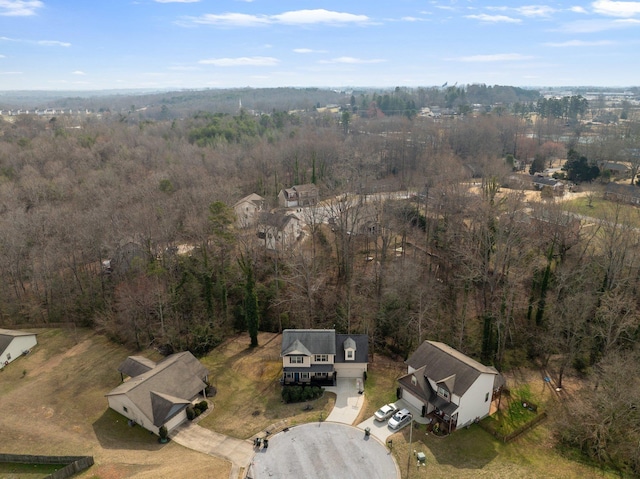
(323,451)
(349,401)
(236,451)
(380,430)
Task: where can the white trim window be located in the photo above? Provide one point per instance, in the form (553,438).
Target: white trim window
(321,358)
(296,359)
(443,393)
(304,376)
(349,356)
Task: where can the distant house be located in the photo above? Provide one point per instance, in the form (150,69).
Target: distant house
(443,382)
(298,195)
(540,182)
(321,355)
(615,168)
(157,395)
(247,210)
(13,344)
(278,231)
(622,193)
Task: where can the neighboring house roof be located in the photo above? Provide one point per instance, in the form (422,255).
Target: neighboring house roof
(614,166)
(136,365)
(443,364)
(540,180)
(163,391)
(307,188)
(252,198)
(359,342)
(623,191)
(276,220)
(316,341)
(7,335)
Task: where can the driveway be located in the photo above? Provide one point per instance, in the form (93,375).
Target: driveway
(380,430)
(349,401)
(236,451)
(323,450)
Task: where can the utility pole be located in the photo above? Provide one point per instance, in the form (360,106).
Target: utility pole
(410,439)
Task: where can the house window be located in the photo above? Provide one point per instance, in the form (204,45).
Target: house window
(296,359)
(486,397)
(304,376)
(414,381)
(8,356)
(442,392)
(124,408)
(350,354)
(288,375)
(321,358)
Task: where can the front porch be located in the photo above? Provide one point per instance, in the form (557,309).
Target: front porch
(316,375)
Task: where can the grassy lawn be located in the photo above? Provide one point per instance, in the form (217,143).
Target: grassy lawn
(27,471)
(604,210)
(380,386)
(248,383)
(512,414)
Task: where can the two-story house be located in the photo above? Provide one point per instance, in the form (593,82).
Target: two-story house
(248,208)
(320,356)
(442,381)
(298,195)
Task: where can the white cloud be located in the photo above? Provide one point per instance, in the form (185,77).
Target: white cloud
(579,43)
(294,17)
(353,61)
(616,9)
(578,9)
(241,62)
(498,57)
(308,50)
(19,8)
(78,72)
(483,17)
(53,43)
(233,19)
(535,10)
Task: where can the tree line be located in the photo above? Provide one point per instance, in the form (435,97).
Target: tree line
(128,227)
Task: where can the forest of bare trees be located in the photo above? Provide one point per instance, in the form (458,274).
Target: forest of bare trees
(127,227)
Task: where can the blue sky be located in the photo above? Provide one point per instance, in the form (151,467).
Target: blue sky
(107,44)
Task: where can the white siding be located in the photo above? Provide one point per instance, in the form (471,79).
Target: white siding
(473,404)
(16,348)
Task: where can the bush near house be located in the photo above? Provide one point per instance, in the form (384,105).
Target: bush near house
(301,393)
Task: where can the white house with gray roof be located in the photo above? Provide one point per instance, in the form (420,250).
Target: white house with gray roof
(448,384)
(321,355)
(13,344)
(157,395)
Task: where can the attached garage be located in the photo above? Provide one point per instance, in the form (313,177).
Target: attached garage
(412,400)
(349,371)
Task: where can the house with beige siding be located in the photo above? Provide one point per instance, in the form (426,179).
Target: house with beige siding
(320,356)
(449,385)
(157,394)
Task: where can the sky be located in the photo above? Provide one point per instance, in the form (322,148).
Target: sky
(195,44)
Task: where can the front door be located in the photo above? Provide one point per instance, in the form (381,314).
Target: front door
(296,377)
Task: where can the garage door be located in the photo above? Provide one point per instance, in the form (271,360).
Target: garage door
(349,373)
(412,400)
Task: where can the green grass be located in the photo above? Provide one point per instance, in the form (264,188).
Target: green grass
(515,415)
(27,471)
(604,210)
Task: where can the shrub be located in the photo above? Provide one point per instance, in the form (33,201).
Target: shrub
(191,413)
(203,406)
(162,432)
(292,394)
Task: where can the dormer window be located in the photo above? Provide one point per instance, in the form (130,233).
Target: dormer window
(349,346)
(414,381)
(443,393)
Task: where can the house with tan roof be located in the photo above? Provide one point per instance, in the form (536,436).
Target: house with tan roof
(449,385)
(157,394)
(247,210)
(298,195)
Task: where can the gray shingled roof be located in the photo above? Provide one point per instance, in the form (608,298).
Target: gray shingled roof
(316,341)
(136,365)
(444,364)
(358,341)
(174,380)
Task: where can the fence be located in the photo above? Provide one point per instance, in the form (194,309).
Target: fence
(511,436)
(74,464)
